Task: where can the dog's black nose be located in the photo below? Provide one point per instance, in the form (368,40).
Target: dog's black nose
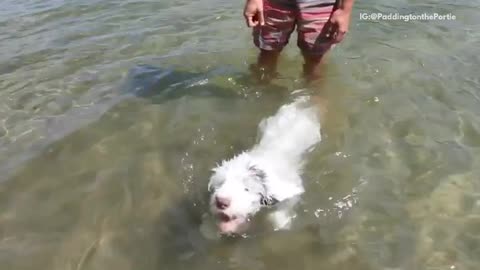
(222,203)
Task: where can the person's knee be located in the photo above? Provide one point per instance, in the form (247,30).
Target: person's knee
(268,59)
(312,65)
(312,58)
(271,54)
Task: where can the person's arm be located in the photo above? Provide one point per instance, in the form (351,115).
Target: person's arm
(347,5)
(341,17)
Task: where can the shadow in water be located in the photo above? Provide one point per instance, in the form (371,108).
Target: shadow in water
(161,84)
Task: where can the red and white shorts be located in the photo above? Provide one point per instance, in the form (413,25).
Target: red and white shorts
(311,18)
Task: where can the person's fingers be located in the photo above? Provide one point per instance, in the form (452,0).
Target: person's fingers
(254,21)
(247,20)
(333,19)
(250,21)
(246,15)
(340,36)
(330,30)
(261,17)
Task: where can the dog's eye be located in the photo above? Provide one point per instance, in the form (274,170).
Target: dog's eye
(247,190)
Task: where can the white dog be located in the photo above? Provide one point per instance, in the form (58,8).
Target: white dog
(269,173)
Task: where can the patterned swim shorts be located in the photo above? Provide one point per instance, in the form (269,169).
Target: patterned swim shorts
(310,17)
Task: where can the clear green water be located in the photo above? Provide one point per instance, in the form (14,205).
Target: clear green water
(92,177)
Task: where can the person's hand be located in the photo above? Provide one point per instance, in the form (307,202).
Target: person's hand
(341,21)
(254,13)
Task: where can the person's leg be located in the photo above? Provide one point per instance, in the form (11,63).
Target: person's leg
(311,67)
(273,36)
(314,34)
(266,67)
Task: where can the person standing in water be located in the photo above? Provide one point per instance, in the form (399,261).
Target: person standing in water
(320,24)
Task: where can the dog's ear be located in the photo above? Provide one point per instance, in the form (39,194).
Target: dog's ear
(260,174)
(265,198)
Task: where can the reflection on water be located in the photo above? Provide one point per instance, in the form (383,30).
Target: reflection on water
(112,114)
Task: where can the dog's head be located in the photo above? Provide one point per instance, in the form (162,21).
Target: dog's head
(238,191)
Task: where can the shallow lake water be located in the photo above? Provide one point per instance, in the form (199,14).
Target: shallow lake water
(112,114)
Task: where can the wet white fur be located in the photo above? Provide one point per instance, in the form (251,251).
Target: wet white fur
(284,139)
